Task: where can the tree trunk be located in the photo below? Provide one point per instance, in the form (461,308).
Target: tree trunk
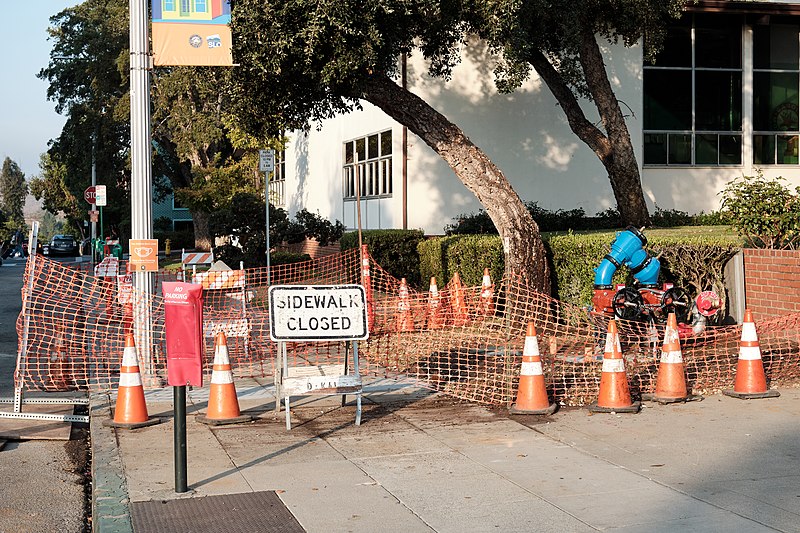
(202,232)
(522,243)
(623,170)
(614,149)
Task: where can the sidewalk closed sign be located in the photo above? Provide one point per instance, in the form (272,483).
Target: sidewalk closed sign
(317,312)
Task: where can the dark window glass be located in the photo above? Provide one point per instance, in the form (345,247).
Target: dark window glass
(718,100)
(386,142)
(718,41)
(667,99)
(764,149)
(706,150)
(730,149)
(775,99)
(787,149)
(680,149)
(677,48)
(776,46)
(372,146)
(361,149)
(348,153)
(655,148)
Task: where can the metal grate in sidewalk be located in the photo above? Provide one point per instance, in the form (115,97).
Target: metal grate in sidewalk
(249,512)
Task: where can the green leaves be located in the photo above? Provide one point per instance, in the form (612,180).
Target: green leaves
(764,211)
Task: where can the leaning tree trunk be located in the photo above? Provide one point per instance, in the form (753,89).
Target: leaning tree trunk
(522,243)
(623,170)
(202,233)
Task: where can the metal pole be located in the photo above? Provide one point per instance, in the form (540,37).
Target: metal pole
(141,171)
(266,199)
(179,434)
(94,205)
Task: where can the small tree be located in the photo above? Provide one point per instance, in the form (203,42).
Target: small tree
(13,190)
(765,212)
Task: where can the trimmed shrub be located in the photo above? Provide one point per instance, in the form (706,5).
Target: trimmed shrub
(466,254)
(395,250)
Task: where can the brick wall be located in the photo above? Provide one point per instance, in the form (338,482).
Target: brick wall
(772,281)
(312,248)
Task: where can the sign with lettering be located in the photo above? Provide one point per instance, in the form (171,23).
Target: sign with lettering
(317,312)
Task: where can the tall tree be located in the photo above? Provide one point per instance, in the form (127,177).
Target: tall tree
(559,40)
(304,61)
(13,190)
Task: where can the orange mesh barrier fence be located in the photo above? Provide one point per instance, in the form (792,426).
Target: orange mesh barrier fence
(465,341)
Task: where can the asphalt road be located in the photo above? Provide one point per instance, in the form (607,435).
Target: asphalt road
(42,487)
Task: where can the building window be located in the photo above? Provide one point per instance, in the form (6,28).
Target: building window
(176,203)
(169,5)
(277,181)
(693,94)
(200,6)
(367,166)
(776,83)
(186,8)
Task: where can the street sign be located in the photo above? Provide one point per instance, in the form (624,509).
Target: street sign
(100,195)
(266,160)
(89,194)
(143,255)
(317,312)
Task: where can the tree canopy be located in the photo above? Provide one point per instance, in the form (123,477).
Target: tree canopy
(13,190)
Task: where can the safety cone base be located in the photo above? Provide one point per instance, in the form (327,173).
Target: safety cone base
(634,407)
(223,421)
(663,400)
(751,395)
(547,411)
(109,422)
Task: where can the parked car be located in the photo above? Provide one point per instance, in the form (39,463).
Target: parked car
(61,245)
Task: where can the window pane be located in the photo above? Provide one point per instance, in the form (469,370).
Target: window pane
(764,149)
(718,101)
(667,99)
(655,148)
(775,99)
(372,147)
(776,46)
(680,149)
(706,152)
(348,153)
(361,149)
(787,149)
(677,48)
(730,149)
(386,142)
(718,41)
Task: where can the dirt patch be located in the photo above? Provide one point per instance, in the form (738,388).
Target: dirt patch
(80,453)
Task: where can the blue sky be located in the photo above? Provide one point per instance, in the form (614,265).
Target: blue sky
(27,119)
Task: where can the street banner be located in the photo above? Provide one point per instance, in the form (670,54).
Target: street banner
(192,32)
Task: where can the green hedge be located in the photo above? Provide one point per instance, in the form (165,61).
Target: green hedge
(466,254)
(693,262)
(395,250)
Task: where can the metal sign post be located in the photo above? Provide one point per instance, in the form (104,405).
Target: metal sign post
(317,313)
(266,164)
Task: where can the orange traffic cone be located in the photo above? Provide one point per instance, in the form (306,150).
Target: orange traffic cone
(404,320)
(223,406)
(458,302)
(671,381)
(487,294)
(532,394)
(751,382)
(434,318)
(614,396)
(131,411)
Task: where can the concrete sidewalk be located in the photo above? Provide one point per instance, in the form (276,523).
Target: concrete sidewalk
(426,462)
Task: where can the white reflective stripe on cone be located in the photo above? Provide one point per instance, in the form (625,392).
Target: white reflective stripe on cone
(531,368)
(749,332)
(531,346)
(613,365)
(749,353)
(674,356)
(129,356)
(221,356)
(130,379)
(611,343)
(222,377)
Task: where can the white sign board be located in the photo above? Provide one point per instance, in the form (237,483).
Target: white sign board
(100,197)
(266,160)
(317,312)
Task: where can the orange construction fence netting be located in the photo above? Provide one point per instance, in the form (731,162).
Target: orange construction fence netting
(464,341)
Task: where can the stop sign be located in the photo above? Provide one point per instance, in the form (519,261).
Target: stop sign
(89,195)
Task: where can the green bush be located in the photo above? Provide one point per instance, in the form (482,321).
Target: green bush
(765,212)
(287,258)
(466,254)
(395,250)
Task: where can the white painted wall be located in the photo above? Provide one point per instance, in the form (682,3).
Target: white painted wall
(524,133)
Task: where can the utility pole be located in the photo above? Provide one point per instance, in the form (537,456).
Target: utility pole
(141,170)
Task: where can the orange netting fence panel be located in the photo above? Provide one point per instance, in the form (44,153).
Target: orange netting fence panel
(465,341)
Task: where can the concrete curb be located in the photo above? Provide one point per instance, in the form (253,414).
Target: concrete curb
(110,502)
